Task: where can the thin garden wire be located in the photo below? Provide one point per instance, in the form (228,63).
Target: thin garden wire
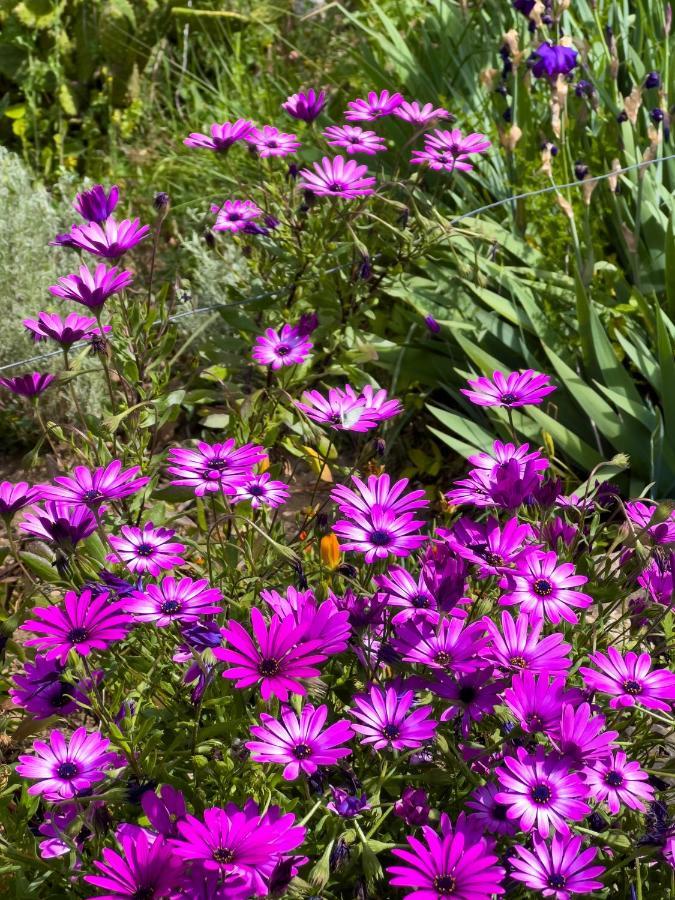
(468,215)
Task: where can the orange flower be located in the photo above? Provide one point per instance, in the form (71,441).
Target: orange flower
(330,551)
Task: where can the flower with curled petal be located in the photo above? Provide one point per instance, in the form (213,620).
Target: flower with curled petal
(64,331)
(306,106)
(91,289)
(95,205)
(222,136)
(110,239)
(418,114)
(374,107)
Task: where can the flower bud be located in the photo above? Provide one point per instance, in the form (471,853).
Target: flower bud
(330,551)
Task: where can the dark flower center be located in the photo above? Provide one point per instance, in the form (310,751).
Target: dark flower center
(444,884)
(467,694)
(221,855)
(613,779)
(91,496)
(380,538)
(67,770)
(518,661)
(269,667)
(233,216)
(541,793)
(420,601)
(632,687)
(143,893)
(542,587)
(391,731)
(534,721)
(77,635)
(256,491)
(271,144)
(62,698)
(493,559)
(217,463)
(338,188)
(145,550)
(302,751)
(509,398)
(499,812)
(283,350)
(169,607)
(556,881)
(443,658)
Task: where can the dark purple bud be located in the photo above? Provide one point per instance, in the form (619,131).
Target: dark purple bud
(583,88)
(413,807)
(622,117)
(597,822)
(365,270)
(653,80)
(307,323)
(271,222)
(507,115)
(161,200)
(432,324)
(580,170)
(347,805)
(322,522)
(656,115)
(403,218)
(502,90)
(96,205)
(524,6)
(554,149)
(347,570)
(136,788)
(380,446)
(209,239)
(254,228)
(292,172)
(339,855)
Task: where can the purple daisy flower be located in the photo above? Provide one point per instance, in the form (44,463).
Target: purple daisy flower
(490,815)
(536,701)
(402,591)
(376,106)
(417,114)
(412,806)
(110,240)
(43,690)
(386,721)
(15,496)
(164,812)
(59,523)
(658,579)
(91,487)
(95,205)
(147,867)
(261,490)
(445,644)
(630,680)
(641,515)
(214,467)
(505,478)
(457,144)
(345,410)
(545,589)
(92,289)
(526,388)
(452,865)
(277,661)
(244,848)
(541,792)
(222,136)
(337,177)
(518,646)
(582,739)
(269,141)
(558,869)
(445,574)
(354,139)
(615,781)
(64,770)
(64,331)
(286,347)
(440,159)
(83,623)
(55,828)
(235,215)
(28,385)
(489,544)
(174,601)
(471,695)
(381,519)
(146,550)
(551,60)
(300,743)
(322,622)
(306,106)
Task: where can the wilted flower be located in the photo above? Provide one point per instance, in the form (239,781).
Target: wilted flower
(222,136)
(347,805)
(165,811)
(306,106)
(44,690)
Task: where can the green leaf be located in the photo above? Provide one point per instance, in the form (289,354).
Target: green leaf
(40,566)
